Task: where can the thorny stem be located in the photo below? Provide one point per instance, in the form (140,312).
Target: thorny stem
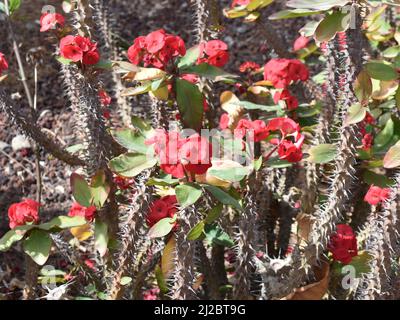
(31,267)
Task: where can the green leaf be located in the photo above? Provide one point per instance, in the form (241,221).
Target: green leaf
(163,180)
(134,91)
(253,106)
(214,214)
(379,180)
(161,228)
(330,25)
(190,57)
(131,140)
(210,72)
(63,60)
(101,237)
(363,87)
(355,114)
(278,163)
(322,153)
(216,236)
(187,194)
(309,28)
(125,280)
(99,188)
(37,245)
(10,238)
(223,197)
(385,136)
(257,164)
(316,4)
(155,85)
(131,164)
(391,52)
(104,64)
(145,128)
(294,13)
(231,174)
(381,71)
(196,231)
(81,190)
(258,4)
(392,157)
(62,222)
(190,103)
(14,5)
(162,284)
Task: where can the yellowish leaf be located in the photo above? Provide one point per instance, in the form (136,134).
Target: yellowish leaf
(167,259)
(82,233)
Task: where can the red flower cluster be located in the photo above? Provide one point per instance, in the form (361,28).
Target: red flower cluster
(343,244)
(178,155)
(249,66)
(21,213)
(3,63)
(77,48)
(156,49)
(291,142)
(123,183)
(240,3)
(151,294)
(291,102)
(281,72)
(367,141)
(300,43)
(50,21)
(162,208)
(105,98)
(79,211)
(258,127)
(214,52)
(376,195)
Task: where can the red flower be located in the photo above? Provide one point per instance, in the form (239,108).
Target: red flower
(156,49)
(240,3)
(376,195)
(26,211)
(258,127)
(224,121)
(79,211)
(249,66)
(104,97)
(70,50)
(290,151)
(214,53)
(367,141)
(151,294)
(369,118)
(343,244)
(77,48)
(281,72)
(50,21)
(3,63)
(123,183)
(291,102)
(155,41)
(285,125)
(90,263)
(213,47)
(300,43)
(166,147)
(162,208)
(219,60)
(196,154)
